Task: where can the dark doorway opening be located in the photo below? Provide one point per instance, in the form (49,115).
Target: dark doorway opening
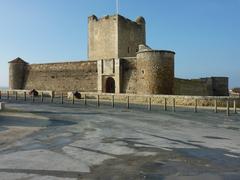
(110,85)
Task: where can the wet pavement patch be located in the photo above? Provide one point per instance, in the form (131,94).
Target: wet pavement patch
(61,123)
(214,157)
(233,128)
(65,174)
(3,129)
(31,122)
(161,166)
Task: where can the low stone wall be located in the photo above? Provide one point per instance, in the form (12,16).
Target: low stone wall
(21,92)
(204,101)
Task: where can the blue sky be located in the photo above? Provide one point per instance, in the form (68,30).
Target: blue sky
(204,34)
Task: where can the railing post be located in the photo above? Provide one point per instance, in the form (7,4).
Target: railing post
(7,95)
(195,106)
(174,105)
(52,96)
(33,98)
(227,107)
(16,95)
(215,106)
(0,94)
(149,103)
(98,101)
(85,99)
(165,104)
(113,101)
(128,102)
(42,97)
(235,106)
(73,99)
(25,96)
(62,98)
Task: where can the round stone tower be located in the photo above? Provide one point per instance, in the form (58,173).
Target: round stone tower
(155,71)
(17,73)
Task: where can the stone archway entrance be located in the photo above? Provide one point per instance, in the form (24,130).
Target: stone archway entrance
(110,85)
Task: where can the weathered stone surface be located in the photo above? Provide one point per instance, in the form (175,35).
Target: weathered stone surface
(129,77)
(70,76)
(17,69)
(155,71)
(212,86)
(114,37)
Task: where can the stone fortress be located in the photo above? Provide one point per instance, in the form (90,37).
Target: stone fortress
(119,61)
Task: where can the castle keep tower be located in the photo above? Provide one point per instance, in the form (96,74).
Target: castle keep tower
(17,73)
(114,37)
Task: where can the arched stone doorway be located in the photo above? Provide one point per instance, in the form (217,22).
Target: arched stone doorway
(110,85)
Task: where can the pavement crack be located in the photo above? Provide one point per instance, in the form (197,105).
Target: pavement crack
(174,140)
(96,151)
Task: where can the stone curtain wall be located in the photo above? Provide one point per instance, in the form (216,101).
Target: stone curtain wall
(70,76)
(129,76)
(220,86)
(190,87)
(212,86)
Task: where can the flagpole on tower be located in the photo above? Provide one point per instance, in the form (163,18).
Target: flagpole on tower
(117,6)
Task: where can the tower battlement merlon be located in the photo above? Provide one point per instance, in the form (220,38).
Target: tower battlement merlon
(139,20)
(92,18)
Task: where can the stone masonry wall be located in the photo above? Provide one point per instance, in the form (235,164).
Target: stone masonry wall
(210,86)
(114,37)
(130,35)
(129,76)
(102,37)
(190,87)
(155,72)
(220,86)
(70,76)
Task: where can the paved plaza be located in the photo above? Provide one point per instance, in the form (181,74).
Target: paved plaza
(56,142)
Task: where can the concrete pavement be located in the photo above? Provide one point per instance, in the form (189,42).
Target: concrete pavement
(44,141)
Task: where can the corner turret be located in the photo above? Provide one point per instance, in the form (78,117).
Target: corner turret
(17,68)
(155,71)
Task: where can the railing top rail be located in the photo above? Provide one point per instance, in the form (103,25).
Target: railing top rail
(136,95)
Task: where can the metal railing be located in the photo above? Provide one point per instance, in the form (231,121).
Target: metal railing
(167,102)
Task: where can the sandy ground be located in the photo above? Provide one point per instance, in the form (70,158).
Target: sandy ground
(56,142)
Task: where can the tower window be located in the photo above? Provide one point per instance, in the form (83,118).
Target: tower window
(128,50)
